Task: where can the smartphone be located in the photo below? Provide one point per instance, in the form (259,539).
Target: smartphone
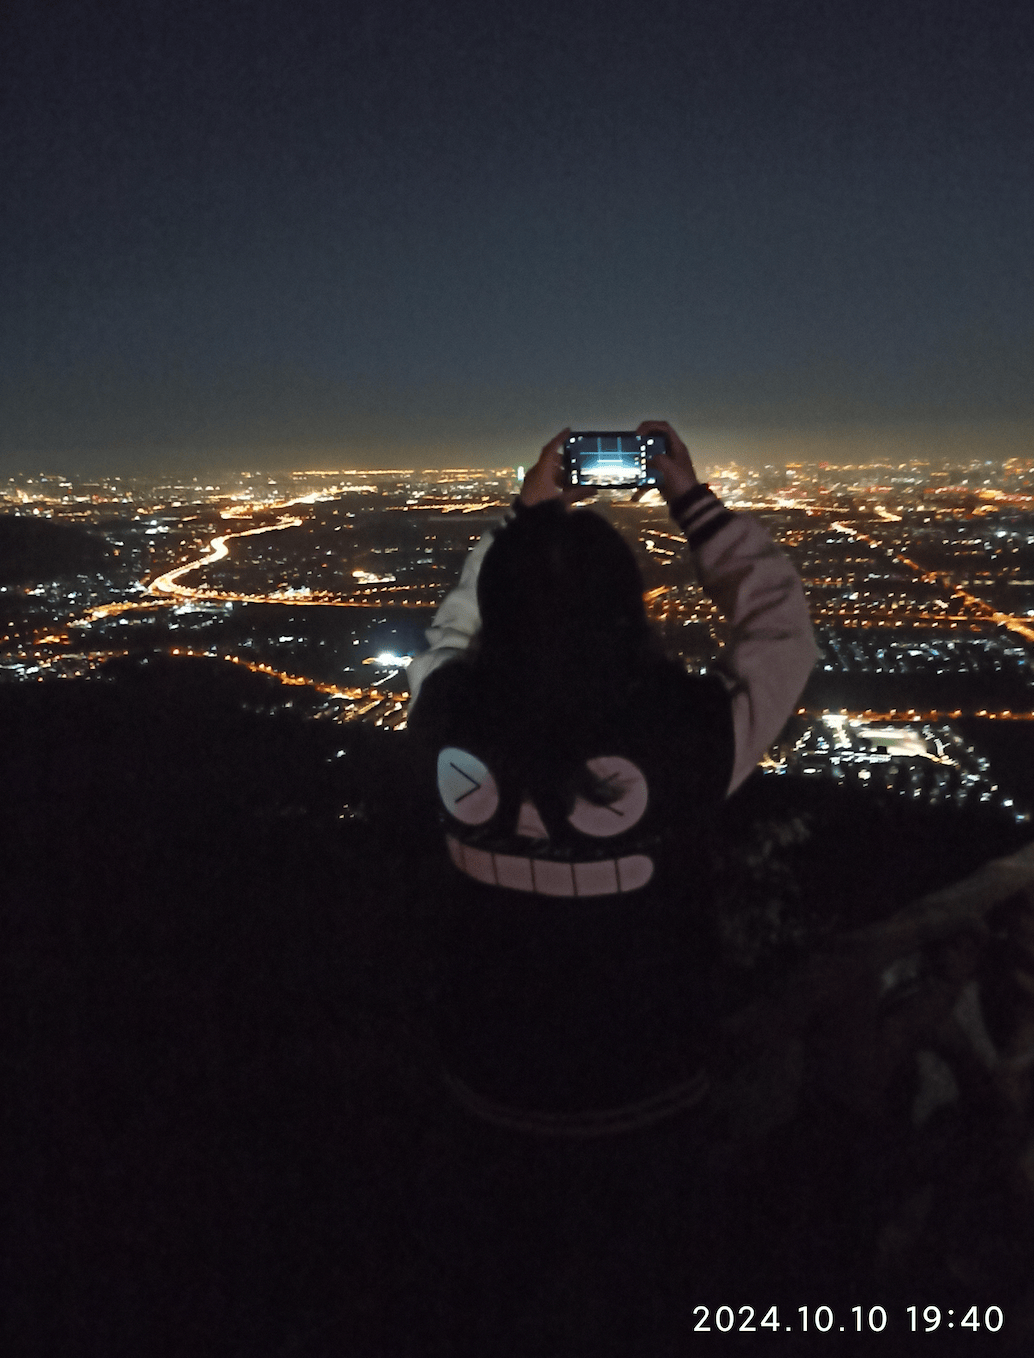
(612,461)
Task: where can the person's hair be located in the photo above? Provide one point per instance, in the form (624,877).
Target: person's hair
(565,645)
(560,592)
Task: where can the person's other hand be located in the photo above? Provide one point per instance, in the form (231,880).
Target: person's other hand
(675,467)
(545,481)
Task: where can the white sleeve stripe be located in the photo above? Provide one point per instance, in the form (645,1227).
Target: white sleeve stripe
(455,624)
(699,511)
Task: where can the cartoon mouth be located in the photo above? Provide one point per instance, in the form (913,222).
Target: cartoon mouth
(547,877)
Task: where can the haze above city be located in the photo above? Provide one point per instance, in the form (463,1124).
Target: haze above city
(411,235)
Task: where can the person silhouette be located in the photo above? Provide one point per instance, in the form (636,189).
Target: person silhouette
(579,771)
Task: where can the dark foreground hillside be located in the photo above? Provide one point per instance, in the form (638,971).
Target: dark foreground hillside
(34,549)
(224,1129)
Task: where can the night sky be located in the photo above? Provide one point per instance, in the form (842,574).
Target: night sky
(409,234)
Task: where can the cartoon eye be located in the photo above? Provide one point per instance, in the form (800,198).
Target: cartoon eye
(620,776)
(466,786)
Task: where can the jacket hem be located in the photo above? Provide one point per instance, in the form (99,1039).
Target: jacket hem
(592,1122)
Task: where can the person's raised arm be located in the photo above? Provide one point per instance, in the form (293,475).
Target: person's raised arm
(458,618)
(771,652)
(455,624)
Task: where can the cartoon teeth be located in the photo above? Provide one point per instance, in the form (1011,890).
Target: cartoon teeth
(549,877)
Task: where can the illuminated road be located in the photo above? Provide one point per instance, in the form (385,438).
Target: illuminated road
(362,701)
(217,551)
(168,589)
(370,696)
(911,715)
(983,612)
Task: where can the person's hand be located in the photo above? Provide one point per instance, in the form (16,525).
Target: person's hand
(675,467)
(545,481)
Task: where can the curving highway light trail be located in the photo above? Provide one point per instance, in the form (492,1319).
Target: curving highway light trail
(217,551)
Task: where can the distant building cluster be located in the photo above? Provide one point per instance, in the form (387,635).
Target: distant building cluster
(915,761)
(920,578)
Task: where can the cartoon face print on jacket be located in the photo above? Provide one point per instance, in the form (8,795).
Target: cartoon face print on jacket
(498,836)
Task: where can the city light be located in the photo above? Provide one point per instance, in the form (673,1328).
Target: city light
(919,575)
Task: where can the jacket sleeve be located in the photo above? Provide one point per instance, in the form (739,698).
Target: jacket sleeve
(772,650)
(457,620)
